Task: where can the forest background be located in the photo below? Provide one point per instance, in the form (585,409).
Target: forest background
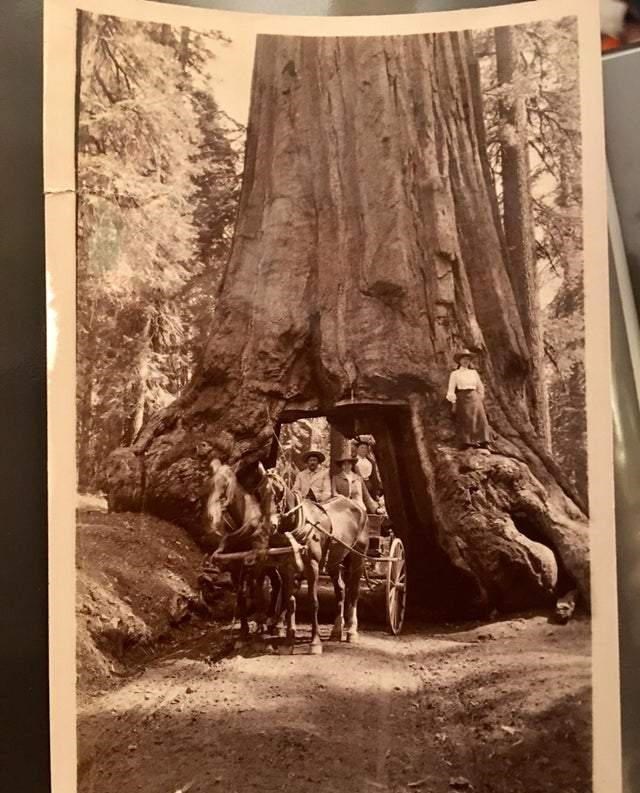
(159,173)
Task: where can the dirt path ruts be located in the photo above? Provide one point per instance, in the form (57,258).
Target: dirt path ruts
(500,709)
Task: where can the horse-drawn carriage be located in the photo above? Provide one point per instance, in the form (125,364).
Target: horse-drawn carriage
(340,538)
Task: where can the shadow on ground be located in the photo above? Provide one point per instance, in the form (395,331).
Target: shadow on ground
(429,712)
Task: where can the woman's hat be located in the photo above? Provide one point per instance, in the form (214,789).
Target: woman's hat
(314,453)
(463,354)
(366,439)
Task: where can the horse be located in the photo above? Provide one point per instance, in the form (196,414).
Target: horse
(234,514)
(334,536)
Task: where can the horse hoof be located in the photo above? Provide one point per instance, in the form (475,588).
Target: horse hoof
(352,638)
(315,649)
(336,636)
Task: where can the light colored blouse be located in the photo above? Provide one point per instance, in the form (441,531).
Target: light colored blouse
(317,480)
(364,467)
(464,380)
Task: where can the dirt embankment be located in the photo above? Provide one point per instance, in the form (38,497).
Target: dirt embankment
(136,592)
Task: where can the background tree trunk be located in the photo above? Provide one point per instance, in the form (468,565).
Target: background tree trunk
(366,251)
(518,216)
(340,447)
(142,376)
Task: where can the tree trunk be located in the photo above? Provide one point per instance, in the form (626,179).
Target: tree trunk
(142,379)
(340,446)
(366,251)
(518,217)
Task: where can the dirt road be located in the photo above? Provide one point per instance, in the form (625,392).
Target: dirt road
(503,708)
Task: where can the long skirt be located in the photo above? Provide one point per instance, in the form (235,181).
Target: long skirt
(471,420)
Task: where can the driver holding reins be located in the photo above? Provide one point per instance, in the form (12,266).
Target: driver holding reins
(313,481)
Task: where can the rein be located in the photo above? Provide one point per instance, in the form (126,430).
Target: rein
(331,536)
(299,506)
(273,477)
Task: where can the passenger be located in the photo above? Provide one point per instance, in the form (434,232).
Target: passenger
(313,481)
(350,484)
(365,465)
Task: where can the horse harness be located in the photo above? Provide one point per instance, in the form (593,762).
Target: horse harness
(303,519)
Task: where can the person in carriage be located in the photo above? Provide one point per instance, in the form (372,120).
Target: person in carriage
(351,484)
(313,481)
(365,465)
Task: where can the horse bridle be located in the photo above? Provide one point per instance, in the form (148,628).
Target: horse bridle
(280,500)
(281,503)
(225,501)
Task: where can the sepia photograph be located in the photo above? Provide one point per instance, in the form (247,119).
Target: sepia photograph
(335,421)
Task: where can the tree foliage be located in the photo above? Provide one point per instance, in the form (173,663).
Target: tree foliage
(547,79)
(158,179)
(296,439)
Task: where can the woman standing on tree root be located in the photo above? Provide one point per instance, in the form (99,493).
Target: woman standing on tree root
(466,394)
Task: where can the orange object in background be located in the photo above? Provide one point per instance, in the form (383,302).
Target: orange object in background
(610,43)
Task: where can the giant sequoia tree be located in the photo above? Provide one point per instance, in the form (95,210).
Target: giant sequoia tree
(367,248)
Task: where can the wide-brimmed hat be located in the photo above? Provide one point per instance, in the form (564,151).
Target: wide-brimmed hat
(343,458)
(463,354)
(366,439)
(314,453)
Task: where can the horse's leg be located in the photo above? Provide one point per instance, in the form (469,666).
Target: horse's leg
(354,573)
(274,618)
(241,601)
(334,569)
(259,600)
(290,595)
(313,575)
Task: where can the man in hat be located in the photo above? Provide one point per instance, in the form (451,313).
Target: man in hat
(313,481)
(350,484)
(466,395)
(365,465)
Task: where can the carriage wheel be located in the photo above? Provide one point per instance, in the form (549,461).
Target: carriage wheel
(396,586)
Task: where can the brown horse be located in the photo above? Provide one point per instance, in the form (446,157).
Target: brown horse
(334,535)
(235,517)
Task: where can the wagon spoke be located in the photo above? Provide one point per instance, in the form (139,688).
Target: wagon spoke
(396,586)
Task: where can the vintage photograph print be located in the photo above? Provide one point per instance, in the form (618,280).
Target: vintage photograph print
(338,407)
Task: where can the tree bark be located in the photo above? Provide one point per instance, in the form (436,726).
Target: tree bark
(518,217)
(366,251)
(340,446)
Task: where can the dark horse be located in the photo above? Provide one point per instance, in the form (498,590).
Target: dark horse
(235,520)
(332,534)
